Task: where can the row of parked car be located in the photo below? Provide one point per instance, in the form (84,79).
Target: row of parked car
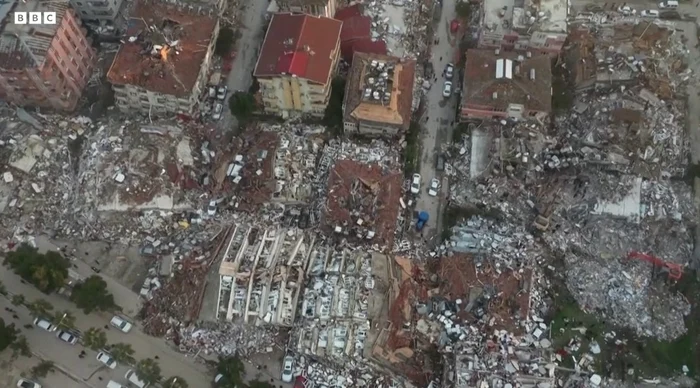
(218,95)
(71,337)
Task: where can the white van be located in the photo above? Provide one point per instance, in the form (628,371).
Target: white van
(668,4)
(133,379)
(114,384)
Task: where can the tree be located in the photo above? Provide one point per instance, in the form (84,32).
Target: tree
(333,116)
(175,382)
(42,369)
(17,299)
(40,308)
(92,294)
(233,372)
(225,41)
(8,334)
(122,353)
(95,339)
(148,371)
(463,9)
(3,289)
(21,347)
(242,105)
(260,384)
(64,319)
(47,272)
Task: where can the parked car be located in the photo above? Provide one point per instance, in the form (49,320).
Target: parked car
(447,89)
(649,13)
(218,108)
(121,324)
(626,10)
(106,359)
(288,369)
(221,93)
(211,209)
(67,336)
(449,71)
(668,4)
(415,184)
(434,187)
(45,324)
(23,383)
(133,379)
(440,162)
(212,92)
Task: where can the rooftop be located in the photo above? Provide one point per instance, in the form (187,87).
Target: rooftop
(363,201)
(380,89)
(508,78)
(165,49)
(542,15)
(26,45)
(301,45)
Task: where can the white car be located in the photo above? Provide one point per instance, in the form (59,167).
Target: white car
(218,108)
(45,324)
(211,209)
(415,184)
(447,89)
(626,10)
(212,92)
(121,324)
(133,379)
(22,383)
(434,187)
(449,71)
(288,369)
(649,13)
(67,337)
(221,93)
(106,359)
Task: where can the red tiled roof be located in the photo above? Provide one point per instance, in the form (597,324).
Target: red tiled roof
(349,48)
(356,27)
(348,12)
(291,35)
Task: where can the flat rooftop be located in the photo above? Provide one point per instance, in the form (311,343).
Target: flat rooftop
(498,14)
(164,49)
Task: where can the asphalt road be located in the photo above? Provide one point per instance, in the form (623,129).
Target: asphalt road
(440,114)
(171,362)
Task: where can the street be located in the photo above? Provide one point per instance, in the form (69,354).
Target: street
(241,75)
(440,114)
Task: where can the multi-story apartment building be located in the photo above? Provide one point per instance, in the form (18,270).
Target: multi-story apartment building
(378,95)
(46,65)
(297,63)
(162,67)
(97,10)
(325,8)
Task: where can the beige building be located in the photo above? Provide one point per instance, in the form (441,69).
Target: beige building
(162,67)
(297,63)
(325,8)
(99,10)
(378,95)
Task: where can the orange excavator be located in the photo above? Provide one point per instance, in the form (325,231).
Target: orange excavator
(675,271)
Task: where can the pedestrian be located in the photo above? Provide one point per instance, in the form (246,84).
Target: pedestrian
(156,357)
(440,59)
(99,378)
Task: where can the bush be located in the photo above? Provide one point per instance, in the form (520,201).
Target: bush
(242,105)
(333,116)
(411,154)
(48,272)
(225,41)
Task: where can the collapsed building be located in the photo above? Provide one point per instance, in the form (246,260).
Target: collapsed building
(163,66)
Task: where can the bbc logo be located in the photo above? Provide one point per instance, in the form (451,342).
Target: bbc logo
(35,17)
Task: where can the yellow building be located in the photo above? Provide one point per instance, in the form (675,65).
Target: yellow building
(297,63)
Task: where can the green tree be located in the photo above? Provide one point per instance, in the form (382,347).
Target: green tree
(123,353)
(17,299)
(333,116)
(64,319)
(42,369)
(47,272)
(232,370)
(225,41)
(92,295)
(40,308)
(21,347)
(148,371)
(463,9)
(94,338)
(3,289)
(242,105)
(175,382)
(260,384)
(8,334)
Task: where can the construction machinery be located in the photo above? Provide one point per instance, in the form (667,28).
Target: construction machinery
(675,271)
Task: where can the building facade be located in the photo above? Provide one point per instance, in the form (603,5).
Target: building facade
(297,63)
(44,65)
(154,72)
(325,8)
(378,95)
(105,11)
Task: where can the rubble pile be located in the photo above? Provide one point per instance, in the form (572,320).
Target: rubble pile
(402,24)
(223,338)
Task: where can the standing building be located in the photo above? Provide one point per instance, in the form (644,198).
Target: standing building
(325,8)
(162,67)
(103,11)
(505,84)
(378,95)
(45,65)
(297,62)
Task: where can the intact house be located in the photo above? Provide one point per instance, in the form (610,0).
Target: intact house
(163,65)
(378,95)
(505,84)
(297,62)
